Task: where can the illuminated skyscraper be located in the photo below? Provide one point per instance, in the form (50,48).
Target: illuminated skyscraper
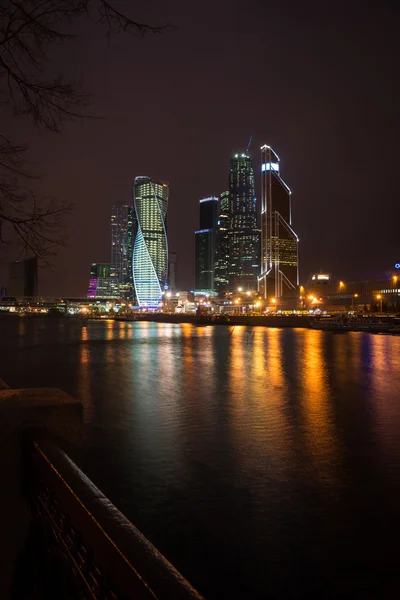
(172,269)
(150,250)
(279,245)
(244,234)
(122,229)
(205,245)
(222,244)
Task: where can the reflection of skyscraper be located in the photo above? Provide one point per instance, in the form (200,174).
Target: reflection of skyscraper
(205,244)
(244,235)
(222,244)
(279,248)
(150,251)
(121,246)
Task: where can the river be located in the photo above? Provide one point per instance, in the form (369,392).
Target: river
(263,463)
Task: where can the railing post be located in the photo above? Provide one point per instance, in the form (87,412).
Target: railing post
(47,409)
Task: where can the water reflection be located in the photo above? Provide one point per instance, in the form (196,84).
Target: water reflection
(260,448)
(83,376)
(317,403)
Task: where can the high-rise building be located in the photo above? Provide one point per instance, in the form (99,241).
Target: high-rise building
(205,238)
(101,283)
(221,270)
(244,234)
(172,269)
(122,231)
(23,278)
(150,250)
(279,247)
(100,270)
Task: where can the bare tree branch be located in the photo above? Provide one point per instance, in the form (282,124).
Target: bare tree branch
(29,29)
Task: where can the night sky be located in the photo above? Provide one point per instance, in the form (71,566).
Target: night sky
(318,84)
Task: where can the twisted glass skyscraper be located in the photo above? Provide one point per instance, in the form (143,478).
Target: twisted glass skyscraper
(150,251)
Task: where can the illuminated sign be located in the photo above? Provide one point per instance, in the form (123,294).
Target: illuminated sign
(321,277)
(397,266)
(270,167)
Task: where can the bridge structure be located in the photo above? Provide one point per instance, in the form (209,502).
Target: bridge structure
(46,302)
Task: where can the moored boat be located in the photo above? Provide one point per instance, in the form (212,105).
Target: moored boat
(330,324)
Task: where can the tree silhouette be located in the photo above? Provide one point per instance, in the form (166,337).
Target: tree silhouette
(29,29)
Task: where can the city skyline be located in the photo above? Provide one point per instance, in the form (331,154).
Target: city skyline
(310,100)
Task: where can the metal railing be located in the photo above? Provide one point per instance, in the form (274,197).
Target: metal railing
(88,548)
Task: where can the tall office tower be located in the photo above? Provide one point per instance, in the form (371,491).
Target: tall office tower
(279,248)
(122,228)
(101,283)
(100,270)
(23,278)
(205,244)
(172,268)
(244,234)
(150,250)
(221,280)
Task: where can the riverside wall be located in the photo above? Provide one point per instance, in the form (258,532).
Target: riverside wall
(46,410)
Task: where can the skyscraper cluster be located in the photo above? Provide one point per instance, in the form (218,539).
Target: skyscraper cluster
(240,244)
(141,267)
(239,247)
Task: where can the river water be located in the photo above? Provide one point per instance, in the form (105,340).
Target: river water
(263,463)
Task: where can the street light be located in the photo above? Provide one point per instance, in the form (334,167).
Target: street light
(379,297)
(341,286)
(240,289)
(273,300)
(352,300)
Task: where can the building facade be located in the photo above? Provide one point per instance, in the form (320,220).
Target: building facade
(150,249)
(23,278)
(279,243)
(221,280)
(102,284)
(172,270)
(244,234)
(100,270)
(122,233)
(205,239)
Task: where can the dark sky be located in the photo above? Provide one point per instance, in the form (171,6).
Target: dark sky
(317,81)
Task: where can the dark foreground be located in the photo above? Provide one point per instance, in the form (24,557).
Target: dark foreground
(262,462)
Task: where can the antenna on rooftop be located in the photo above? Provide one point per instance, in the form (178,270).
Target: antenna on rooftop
(248,145)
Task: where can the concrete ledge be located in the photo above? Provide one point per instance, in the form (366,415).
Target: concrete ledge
(45,409)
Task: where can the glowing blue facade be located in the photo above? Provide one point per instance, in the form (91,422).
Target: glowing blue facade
(150,251)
